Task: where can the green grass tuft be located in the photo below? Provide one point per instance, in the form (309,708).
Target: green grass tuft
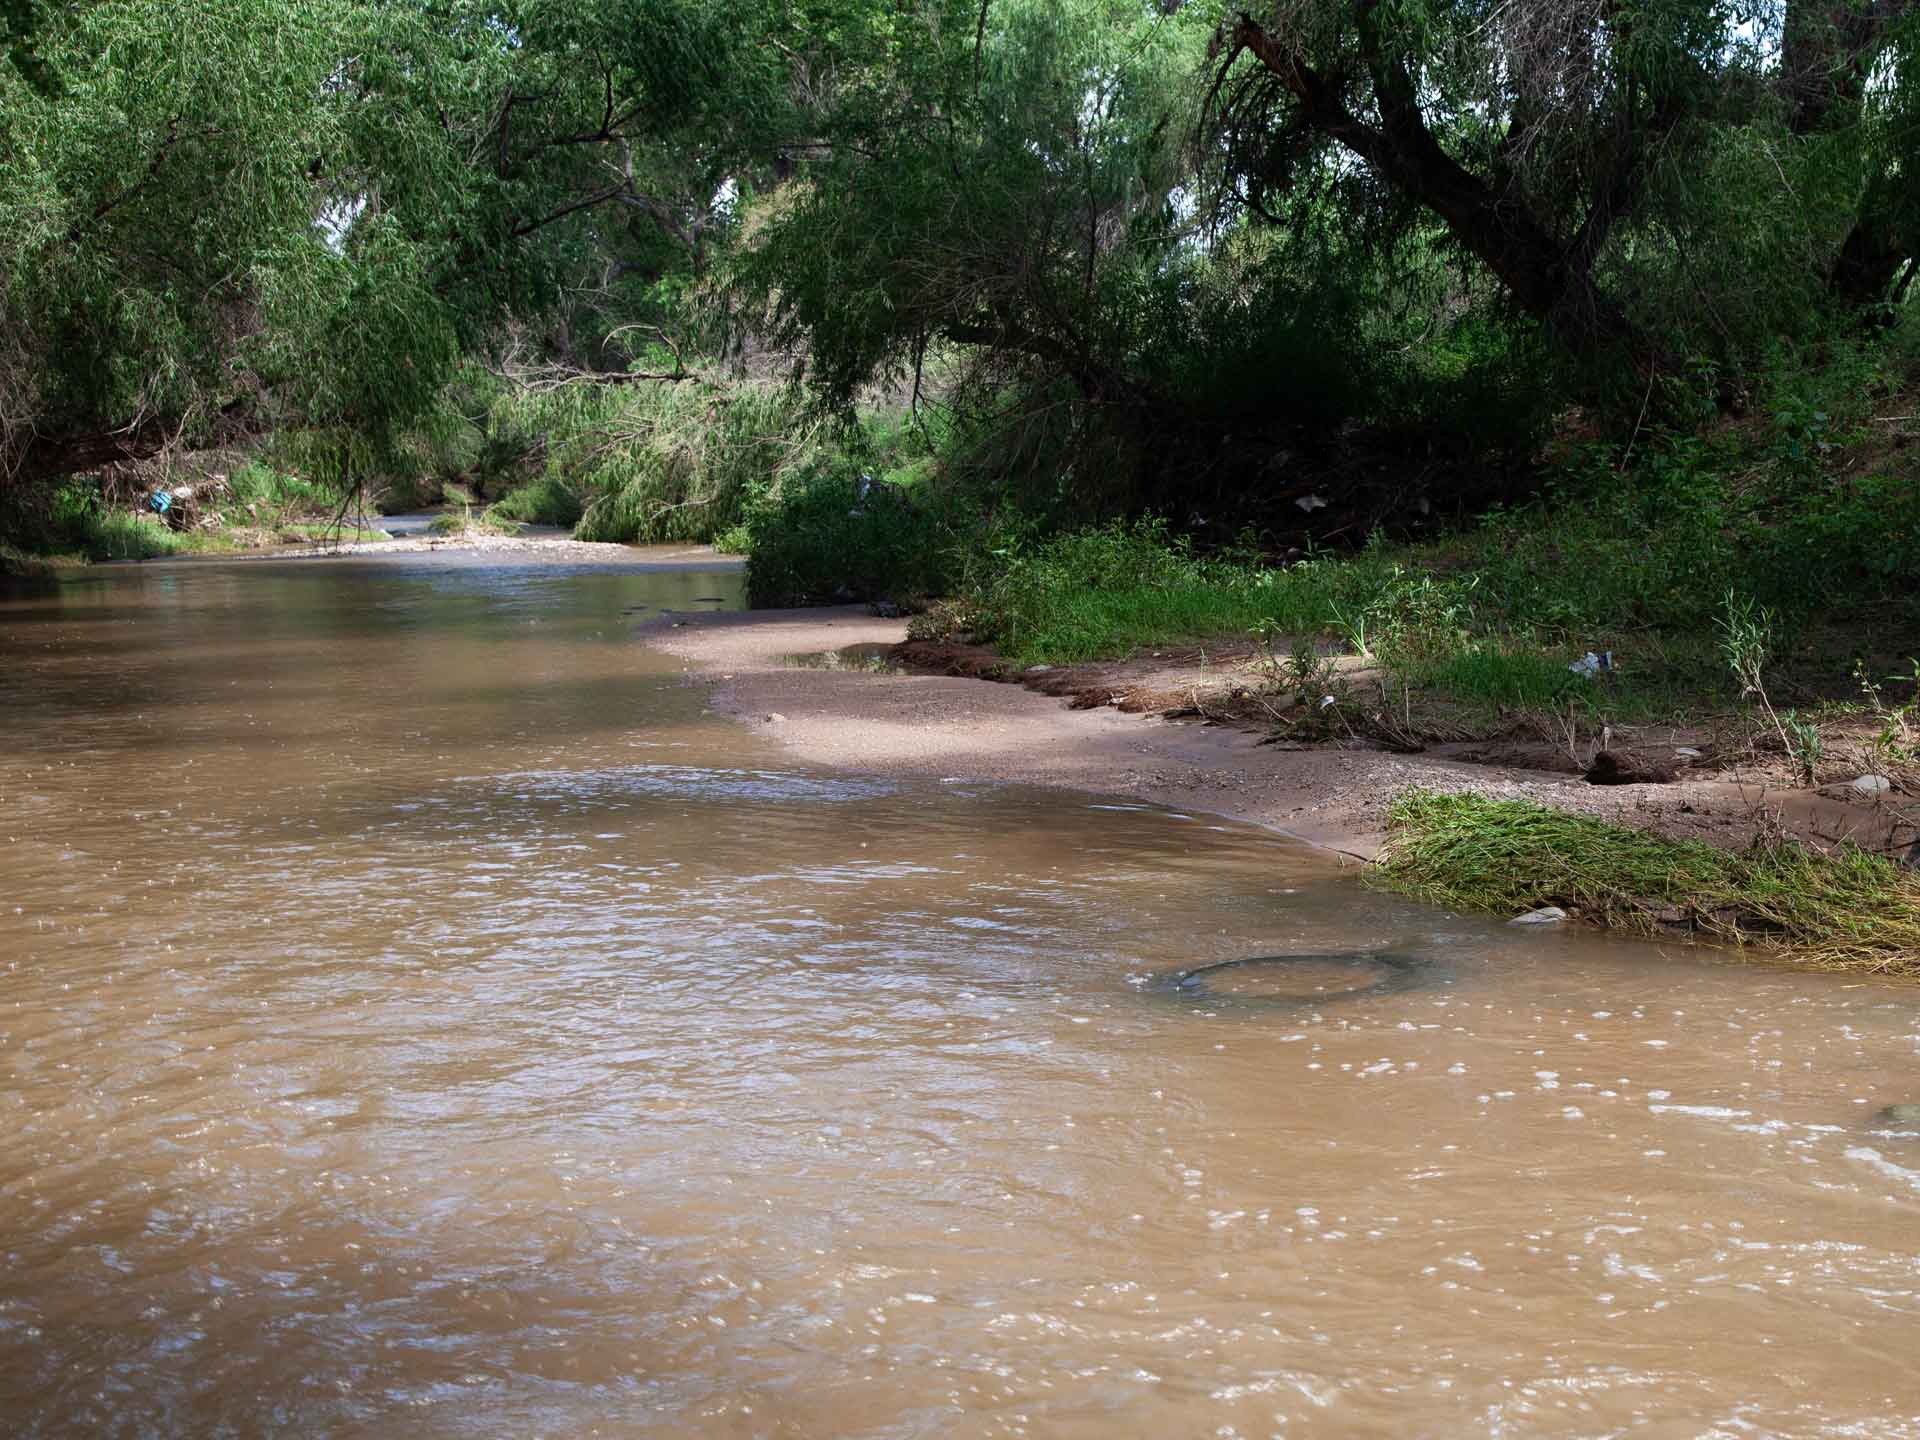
(1849,910)
(17,564)
(1493,675)
(466,521)
(121,536)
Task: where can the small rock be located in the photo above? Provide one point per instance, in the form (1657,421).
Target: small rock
(1547,915)
(776,718)
(1899,1115)
(1873,784)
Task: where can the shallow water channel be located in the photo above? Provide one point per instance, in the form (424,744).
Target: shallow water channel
(420,1017)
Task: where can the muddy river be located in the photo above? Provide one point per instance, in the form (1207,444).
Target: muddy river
(421,1017)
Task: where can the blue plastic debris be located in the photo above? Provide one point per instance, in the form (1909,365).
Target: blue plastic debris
(162,501)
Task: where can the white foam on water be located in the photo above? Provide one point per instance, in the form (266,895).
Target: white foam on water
(1868,1156)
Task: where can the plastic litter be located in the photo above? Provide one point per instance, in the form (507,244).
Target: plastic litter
(161,500)
(1591,664)
(1546,915)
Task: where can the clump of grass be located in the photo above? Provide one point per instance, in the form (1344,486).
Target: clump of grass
(260,494)
(1100,592)
(650,463)
(301,531)
(467,522)
(1844,911)
(118,535)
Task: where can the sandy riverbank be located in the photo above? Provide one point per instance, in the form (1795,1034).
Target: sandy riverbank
(944,726)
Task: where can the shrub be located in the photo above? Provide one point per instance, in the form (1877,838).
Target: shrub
(547,501)
(652,462)
(835,534)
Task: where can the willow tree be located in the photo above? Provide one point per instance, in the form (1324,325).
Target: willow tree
(19,20)
(236,213)
(161,264)
(1562,143)
(1004,215)
(987,190)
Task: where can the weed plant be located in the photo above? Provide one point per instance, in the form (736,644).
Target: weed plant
(1774,547)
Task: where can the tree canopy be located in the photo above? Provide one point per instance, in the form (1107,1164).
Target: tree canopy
(1191,234)
(1566,144)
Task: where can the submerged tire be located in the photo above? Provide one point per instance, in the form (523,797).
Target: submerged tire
(1319,978)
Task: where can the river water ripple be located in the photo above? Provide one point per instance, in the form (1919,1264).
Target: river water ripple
(420,1018)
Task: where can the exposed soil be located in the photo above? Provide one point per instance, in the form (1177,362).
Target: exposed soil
(1194,730)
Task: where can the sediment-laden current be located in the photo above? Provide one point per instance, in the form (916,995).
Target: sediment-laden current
(419,1017)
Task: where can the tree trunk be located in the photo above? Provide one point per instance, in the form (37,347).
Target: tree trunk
(1827,51)
(1869,259)
(1825,48)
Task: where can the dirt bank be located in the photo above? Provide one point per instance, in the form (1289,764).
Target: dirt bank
(849,715)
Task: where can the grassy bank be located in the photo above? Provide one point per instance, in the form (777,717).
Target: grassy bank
(1744,575)
(1760,560)
(1847,910)
(221,502)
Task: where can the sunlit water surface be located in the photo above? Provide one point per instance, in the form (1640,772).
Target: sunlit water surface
(420,1018)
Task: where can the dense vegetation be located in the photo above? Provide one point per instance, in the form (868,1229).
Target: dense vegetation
(899,297)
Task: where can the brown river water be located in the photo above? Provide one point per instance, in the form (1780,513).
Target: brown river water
(420,1017)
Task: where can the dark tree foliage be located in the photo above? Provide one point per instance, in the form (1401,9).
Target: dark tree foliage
(1128,252)
(19,22)
(1549,137)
